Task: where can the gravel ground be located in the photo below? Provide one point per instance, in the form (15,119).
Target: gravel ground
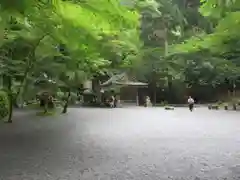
(122,144)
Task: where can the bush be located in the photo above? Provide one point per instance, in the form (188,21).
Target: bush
(73,98)
(234,107)
(164,103)
(209,107)
(4,104)
(213,106)
(219,103)
(60,95)
(225,106)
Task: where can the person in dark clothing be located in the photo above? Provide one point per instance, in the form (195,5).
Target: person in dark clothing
(115,101)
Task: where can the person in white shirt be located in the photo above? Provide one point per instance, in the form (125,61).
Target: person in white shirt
(111,102)
(190,103)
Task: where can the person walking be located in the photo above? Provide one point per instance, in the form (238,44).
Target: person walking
(191,103)
(116,100)
(148,102)
(112,100)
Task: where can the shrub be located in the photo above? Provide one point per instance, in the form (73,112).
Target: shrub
(4,104)
(234,107)
(73,98)
(226,107)
(164,103)
(60,95)
(215,106)
(209,106)
(219,103)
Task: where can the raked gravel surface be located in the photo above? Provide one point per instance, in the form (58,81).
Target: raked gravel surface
(122,144)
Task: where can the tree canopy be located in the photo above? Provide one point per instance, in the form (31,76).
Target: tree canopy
(169,44)
(226,14)
(75,38)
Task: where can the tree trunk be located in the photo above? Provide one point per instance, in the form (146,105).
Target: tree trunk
(170,98)
(97,89)
(66,103)
(21,90)
(29,66)
(165,47)
(153,83)
(234,107)
(153,91)
(10,97)
(45,108)
(154,95)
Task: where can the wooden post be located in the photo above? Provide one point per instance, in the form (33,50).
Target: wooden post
(137,100)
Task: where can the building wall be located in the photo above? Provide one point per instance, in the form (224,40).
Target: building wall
(128,94)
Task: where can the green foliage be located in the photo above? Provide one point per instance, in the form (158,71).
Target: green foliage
(212,56)
(79,36)
(225,32)
(163,103)
(54,39)
(217,9)
(73,98)
(167,43)
(4,104)
(60,95)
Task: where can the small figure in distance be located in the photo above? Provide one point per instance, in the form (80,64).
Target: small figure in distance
(111,101)
(191,103)
(115,101)
(148,102)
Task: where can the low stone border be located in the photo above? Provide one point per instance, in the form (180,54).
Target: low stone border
(223,106)
(169,108)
